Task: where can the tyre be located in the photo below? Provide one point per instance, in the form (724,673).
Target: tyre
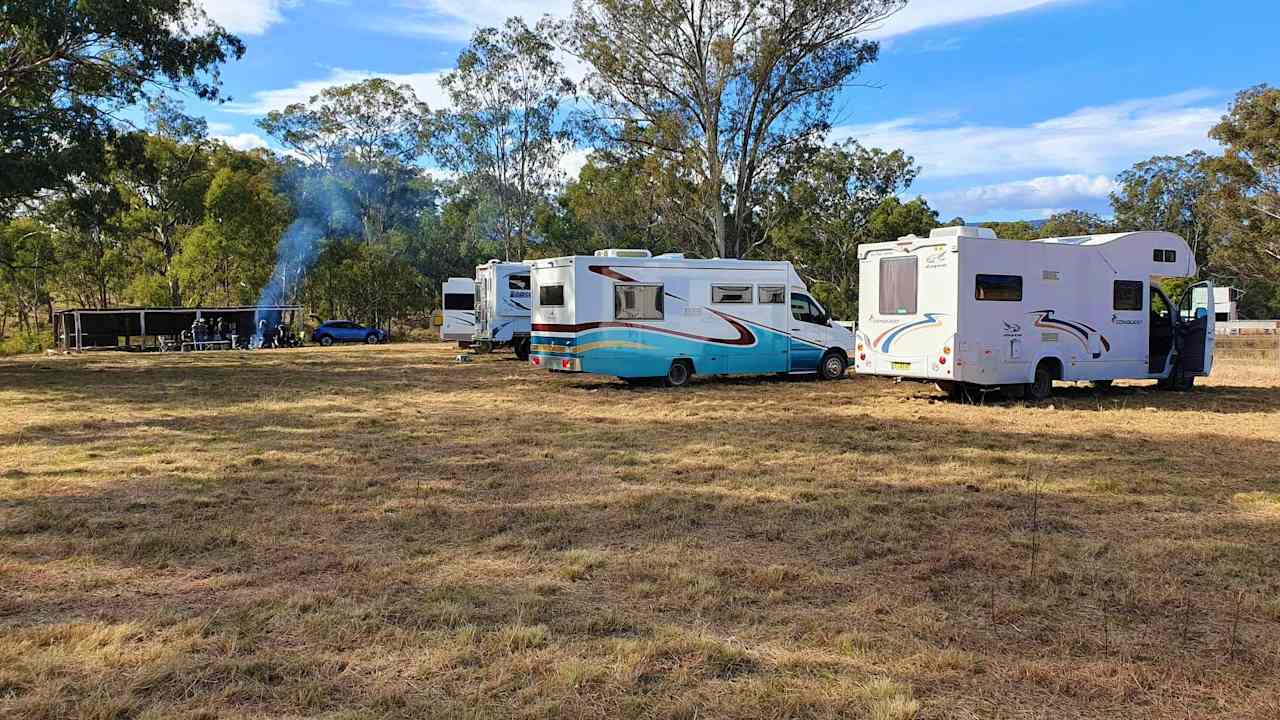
(678,374)
(832,367)
(522,349)
(326,340)
(1042,386)
(372,339)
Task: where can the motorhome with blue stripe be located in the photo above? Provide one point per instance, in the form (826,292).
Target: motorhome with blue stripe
(503,306)
(624,313)
(968,311)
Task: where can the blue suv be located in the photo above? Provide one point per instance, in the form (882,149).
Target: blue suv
(340,331)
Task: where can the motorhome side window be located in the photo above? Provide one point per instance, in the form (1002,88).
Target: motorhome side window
(518,282)
(730,294)
(459,301)
(998,288)
(551,295)
(1127,295)
(898,285)
(1165,256)
(637,302)
(772,294)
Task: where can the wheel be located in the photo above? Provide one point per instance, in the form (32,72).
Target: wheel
(1102,384)
(832,367)
(326,340)
(522,349)
(372,339)
(1042,387)
(679,373)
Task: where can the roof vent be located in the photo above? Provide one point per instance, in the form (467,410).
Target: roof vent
(623,253)
(672,256)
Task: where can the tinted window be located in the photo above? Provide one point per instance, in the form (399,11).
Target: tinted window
(999,288)
(898,278)
(1166,256)
(551,295)
(806,310)
(772,294)
(517,282)
(730,293)
(1127,295)
(637,302)
(458,301)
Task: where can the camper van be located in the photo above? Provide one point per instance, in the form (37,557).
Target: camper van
(624,313)
(502,306)
(459,310)
(969,311)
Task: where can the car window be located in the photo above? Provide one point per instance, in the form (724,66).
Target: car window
(806,310)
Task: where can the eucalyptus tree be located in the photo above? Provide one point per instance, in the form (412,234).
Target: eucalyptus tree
(1167,193)
(829,202)
(366,140)
(1245,202)
(503,135)
(731,88)
(67,69)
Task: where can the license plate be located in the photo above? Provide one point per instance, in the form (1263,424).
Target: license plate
(901,366)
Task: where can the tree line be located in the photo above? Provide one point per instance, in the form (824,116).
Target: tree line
(708,125)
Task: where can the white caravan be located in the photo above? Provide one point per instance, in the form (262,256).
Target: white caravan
(459,310)
(503,305)
(624,313)
(967,310)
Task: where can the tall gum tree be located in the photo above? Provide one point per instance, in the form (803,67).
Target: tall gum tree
(730,87)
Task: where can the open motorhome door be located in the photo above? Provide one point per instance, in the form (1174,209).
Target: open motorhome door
(1197,317)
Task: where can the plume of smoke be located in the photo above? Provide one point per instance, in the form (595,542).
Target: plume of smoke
(324,210)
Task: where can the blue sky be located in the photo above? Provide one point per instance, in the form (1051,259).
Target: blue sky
(1014,108)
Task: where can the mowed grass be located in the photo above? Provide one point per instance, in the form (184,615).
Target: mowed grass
(379,532)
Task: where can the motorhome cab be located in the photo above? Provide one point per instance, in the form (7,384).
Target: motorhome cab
(967,310)
(502,307)
(459,310)
(624,313)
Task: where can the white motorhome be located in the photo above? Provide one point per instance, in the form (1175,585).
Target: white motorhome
(624,313)
(967,310)
(459,310)
(503,305)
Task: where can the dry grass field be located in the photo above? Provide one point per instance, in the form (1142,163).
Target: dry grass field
(382,533)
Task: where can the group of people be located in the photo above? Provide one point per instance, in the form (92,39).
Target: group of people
(277,336)
(203,332)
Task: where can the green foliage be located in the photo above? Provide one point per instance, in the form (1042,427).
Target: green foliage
(25,342)
(834,200)
(1245,204)
(1073,223)
(1167,193)
(503,136)
(725,95)
(67,67)
(1013,230)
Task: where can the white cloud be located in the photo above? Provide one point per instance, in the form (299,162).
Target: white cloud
(1092,140)
(572,162)
(243,141)
(920,14)
(426,85)
(456,19)
(1032,196)
(246,17)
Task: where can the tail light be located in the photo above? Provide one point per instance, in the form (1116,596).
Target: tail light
(535,360)
(942,360)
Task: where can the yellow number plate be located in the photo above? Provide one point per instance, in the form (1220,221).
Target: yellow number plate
(901,366)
